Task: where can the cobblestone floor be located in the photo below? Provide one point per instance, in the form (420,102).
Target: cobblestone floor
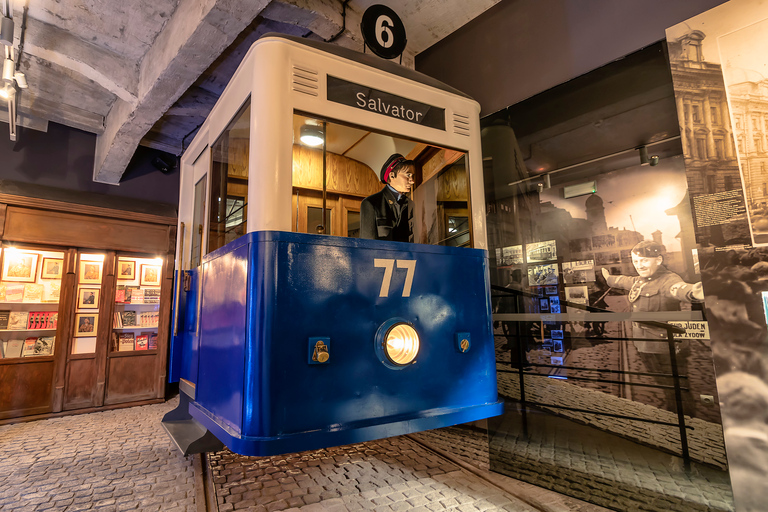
(113,460)
(577,460)
(386,475)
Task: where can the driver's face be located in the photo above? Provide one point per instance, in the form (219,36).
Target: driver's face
(403,181)
(646,267)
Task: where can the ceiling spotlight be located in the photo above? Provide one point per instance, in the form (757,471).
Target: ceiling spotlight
(645,159)
(21,80)
(8,70)
(311,135)
(4,92)
(6,31)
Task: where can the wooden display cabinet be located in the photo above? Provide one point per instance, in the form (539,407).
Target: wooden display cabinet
(66,270)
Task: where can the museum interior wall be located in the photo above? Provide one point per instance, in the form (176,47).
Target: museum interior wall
(520,48)
(720,211)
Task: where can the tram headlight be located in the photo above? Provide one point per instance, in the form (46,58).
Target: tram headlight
(397,343)
(401,344)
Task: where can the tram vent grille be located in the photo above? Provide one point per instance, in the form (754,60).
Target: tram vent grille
(460,124)
(305,80)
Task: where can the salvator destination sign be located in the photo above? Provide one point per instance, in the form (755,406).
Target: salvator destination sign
(384,103)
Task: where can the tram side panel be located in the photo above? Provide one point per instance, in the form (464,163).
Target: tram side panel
(259,389)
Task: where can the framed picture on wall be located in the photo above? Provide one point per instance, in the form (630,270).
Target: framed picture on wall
(85,324)
(88,298)
(90,272)
(20,266)
(150,275)
(126,270)
(52,268)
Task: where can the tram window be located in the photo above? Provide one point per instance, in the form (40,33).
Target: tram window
(353,159)
(315,220)
(353,224)
(229,182)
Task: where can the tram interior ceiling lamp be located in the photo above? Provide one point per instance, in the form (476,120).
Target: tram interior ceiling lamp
(311,135)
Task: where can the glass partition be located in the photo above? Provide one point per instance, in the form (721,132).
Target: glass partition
(337,166)
(229,181)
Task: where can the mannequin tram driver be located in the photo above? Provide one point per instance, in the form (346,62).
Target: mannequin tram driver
(388,214)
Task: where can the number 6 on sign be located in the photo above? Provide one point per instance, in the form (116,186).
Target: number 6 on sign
(388,265)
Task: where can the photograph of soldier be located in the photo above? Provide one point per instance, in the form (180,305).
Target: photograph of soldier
(655,288)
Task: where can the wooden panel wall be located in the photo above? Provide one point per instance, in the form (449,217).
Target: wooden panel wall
(131,378)
(57,228)
(344,175)
(35,379)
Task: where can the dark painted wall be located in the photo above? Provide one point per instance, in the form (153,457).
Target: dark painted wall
(519,48)
(63,158)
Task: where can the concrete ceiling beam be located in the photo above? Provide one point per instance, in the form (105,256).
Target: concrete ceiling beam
(196,34)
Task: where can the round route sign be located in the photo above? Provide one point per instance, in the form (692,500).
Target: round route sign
(383,31)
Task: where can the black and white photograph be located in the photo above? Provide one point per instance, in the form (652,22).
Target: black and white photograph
(541,275)
(537,252)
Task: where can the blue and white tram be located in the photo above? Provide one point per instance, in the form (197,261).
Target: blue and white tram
(287,340)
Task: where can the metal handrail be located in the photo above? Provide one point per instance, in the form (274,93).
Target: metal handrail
(670,330)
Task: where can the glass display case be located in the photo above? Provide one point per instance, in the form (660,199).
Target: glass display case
(136,304)
(30,289)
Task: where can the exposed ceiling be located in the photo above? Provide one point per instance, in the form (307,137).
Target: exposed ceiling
(149,71)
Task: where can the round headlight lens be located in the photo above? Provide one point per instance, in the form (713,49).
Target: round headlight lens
(401,344)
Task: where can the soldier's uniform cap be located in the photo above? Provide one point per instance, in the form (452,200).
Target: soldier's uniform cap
(648,249)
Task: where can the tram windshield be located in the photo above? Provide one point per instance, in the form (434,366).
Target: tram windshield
(435,212)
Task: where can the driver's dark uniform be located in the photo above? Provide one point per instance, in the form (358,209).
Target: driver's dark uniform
(383,217)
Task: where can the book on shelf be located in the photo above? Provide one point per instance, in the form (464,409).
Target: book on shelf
(151,295)
(120,294)
(128,292)
(33,292)
(29,347)
(44,345)
(13,348)
(53,319)
(142,341)
(4,315)
(14,292)
(128,318)
(137,296)
(126,341)
(115,341)
(118,321)
(152,343)
(51,291)
(17,320)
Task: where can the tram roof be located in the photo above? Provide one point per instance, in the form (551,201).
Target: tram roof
(372,61)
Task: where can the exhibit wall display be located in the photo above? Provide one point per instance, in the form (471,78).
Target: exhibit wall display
(720,72)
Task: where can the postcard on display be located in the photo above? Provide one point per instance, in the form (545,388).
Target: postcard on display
(554,304)
(577,295)
(33,292)
(541,275)
(44,345)
(512,255)
(14,348)
(14,292)
(541,251)
(51,291)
